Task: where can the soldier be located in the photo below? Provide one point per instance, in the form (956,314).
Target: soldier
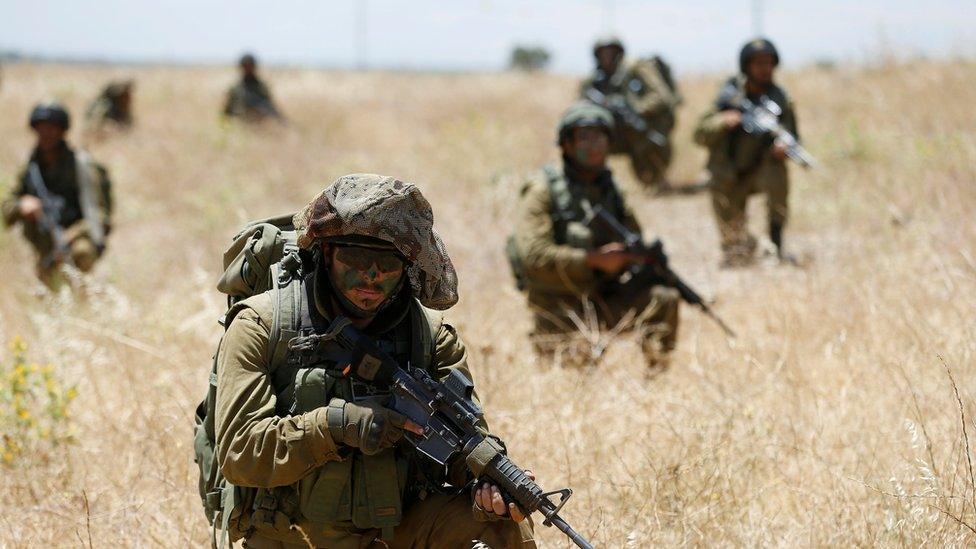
(643,97)
(250,98)
(113,106)
(322,450)
(63,198)
(741,163)
(565,260)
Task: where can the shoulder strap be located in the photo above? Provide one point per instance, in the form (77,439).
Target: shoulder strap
(288,299)
(427,323)
(559,193)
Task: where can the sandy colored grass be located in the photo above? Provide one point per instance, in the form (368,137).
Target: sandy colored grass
(830,421)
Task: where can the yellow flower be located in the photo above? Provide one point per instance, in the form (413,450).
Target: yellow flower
(23,414)
(8,457)
(18,346)
(71,393)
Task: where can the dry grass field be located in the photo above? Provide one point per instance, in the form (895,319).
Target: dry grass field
(830,421)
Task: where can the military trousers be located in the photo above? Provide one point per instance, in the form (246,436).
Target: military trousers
(437,522)
(730,198)
(651,311)
(80,250)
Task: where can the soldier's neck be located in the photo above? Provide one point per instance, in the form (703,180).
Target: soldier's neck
(50,156)
(755,88)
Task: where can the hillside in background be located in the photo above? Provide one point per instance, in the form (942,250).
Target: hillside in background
(831,420)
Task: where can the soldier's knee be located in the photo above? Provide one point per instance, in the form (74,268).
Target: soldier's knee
(665,295)
(83,254)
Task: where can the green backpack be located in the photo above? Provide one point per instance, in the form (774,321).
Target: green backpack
(263,256)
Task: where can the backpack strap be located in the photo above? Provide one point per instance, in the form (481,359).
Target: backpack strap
(286,294)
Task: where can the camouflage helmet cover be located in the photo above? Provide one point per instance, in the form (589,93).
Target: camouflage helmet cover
(384,208)
(50,111)
(608,41)
(583,114)
(756,47)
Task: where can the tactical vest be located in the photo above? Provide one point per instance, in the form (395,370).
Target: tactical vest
(361,492)
(571,211)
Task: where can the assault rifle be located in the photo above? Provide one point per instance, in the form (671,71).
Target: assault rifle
(622,110)
(449,415)
(762,118)
(50,220)
(654,268)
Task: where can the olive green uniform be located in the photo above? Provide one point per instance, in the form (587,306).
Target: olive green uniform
(552,240)
(250,99)
(62,180)
(741,165)
(272,433)
(647,88)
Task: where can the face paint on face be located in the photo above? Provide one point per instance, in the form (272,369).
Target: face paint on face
(366,277)
(590,147)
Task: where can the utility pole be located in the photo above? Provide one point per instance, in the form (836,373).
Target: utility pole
(362,34)
(757,17)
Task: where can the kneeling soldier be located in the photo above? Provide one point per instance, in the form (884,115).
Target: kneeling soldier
(566,257)
(63,198)
(321,449)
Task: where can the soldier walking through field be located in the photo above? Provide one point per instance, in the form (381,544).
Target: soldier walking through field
(743,163)
(642,96)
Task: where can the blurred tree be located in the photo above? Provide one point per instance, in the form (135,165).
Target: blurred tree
(529,58)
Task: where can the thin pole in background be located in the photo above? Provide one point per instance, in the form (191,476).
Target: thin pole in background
(362,34)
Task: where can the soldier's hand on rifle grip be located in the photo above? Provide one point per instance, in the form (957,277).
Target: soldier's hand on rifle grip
(732,118)
(490,499)
(611,258)
(30,207)
(778,150)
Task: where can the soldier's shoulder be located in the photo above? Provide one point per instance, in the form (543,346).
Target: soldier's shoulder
(781,93)
(538,181)
(258,308)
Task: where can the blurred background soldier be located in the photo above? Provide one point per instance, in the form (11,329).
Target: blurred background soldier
(63,198)
(113,106)
(569,262)
(743,163)
(643,97)
(250,98)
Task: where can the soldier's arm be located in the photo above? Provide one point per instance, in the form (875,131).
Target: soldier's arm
(789,119)
(255,447)
(711,128)
(105,187)
(535,239)
(10,207)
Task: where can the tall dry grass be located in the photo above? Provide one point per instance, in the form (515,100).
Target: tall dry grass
(832,420)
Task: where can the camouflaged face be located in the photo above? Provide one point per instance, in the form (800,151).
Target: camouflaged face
(392,210)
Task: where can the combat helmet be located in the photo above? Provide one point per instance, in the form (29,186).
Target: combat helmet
(583,114)
(383,212)
(754,48)
(608,41)
(50,111)
(248,59)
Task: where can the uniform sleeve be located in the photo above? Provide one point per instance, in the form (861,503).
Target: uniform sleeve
(255,447)
(711,128)
(105,187)
(231,107)
(536,243)
(10,208)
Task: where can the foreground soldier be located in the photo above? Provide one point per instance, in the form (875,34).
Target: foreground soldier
(250,98)
(742,163)
(643,98)
(113,106)
(566,259)
(322,450)
(63,198)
